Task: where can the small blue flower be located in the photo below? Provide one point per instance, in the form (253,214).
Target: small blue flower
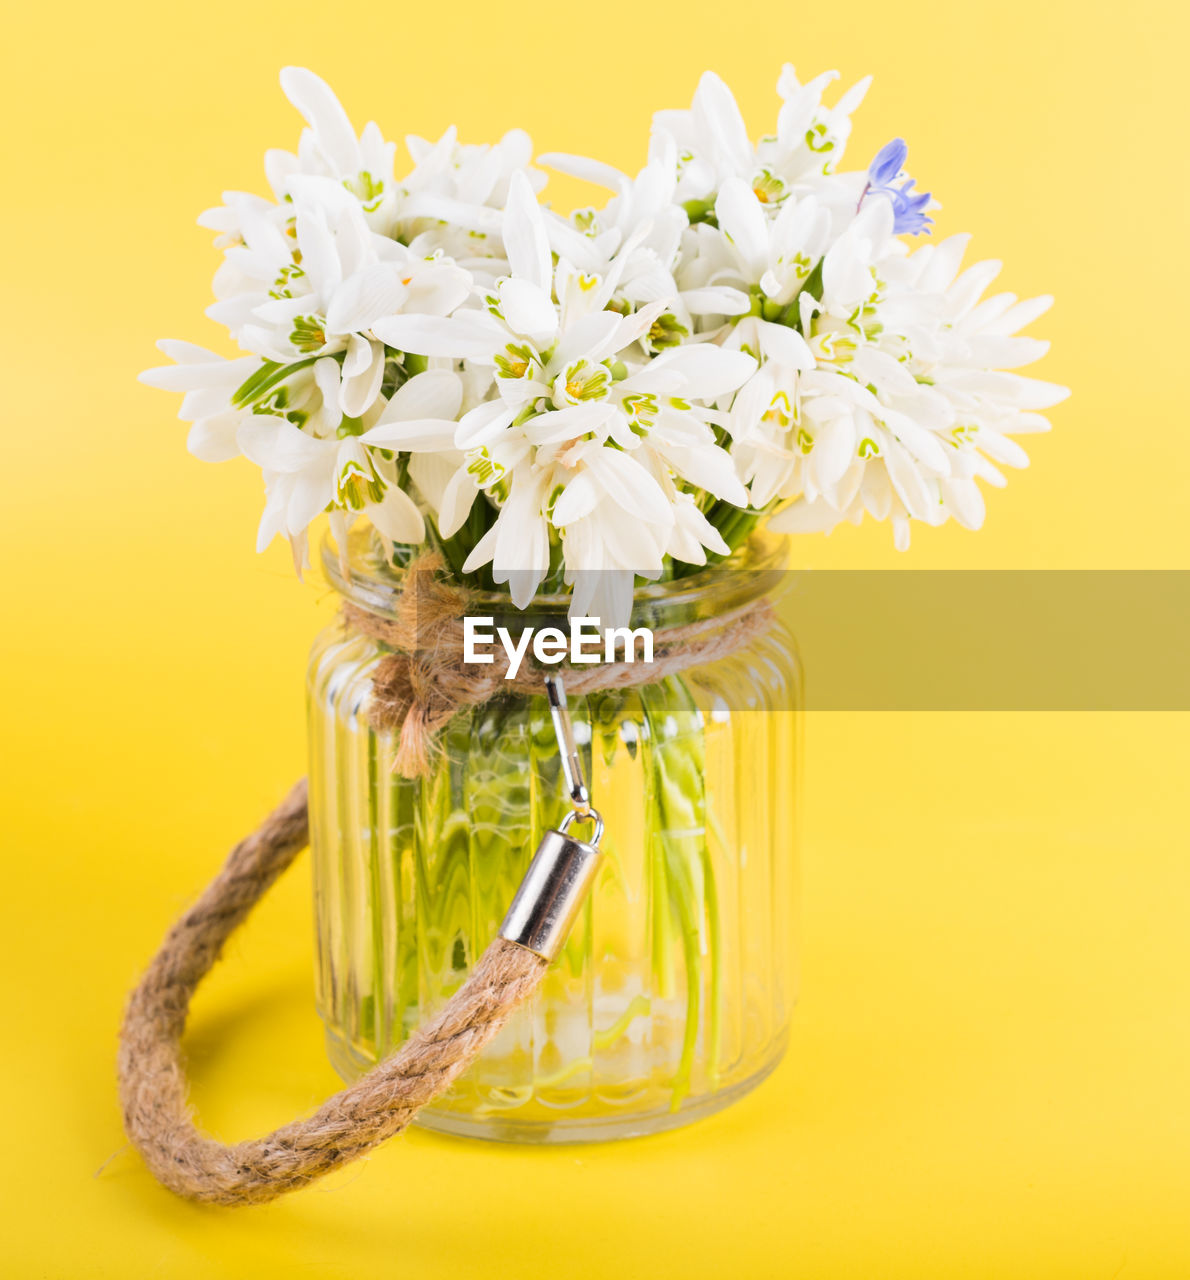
(908,207)
(909,210)
(889,162)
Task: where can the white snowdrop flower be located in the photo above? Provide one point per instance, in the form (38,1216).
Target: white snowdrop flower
(452,200)
(712,144)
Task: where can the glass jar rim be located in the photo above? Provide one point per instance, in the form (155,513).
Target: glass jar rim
(369,580)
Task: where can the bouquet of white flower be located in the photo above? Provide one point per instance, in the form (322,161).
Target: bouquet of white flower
(739,332)
(569,404)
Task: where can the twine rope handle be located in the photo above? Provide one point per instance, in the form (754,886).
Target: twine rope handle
(153,1085)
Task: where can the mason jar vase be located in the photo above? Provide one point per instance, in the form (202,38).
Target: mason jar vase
(672,995)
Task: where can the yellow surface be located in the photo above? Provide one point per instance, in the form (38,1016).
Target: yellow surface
(988,1074)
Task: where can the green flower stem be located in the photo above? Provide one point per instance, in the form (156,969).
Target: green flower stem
(663,974)
(460,544)
(265,379)
(714,924)
(401,842)
(686,899)
(638,1007)
(685,892)
(377,840)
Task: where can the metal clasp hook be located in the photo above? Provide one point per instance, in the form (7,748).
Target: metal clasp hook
(572,765)
(563,868)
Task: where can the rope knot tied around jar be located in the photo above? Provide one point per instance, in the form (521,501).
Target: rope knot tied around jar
(423,679)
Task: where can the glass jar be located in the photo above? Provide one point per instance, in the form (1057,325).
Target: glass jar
(673,992)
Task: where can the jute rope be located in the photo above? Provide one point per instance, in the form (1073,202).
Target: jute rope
(419,686)
(153,1083)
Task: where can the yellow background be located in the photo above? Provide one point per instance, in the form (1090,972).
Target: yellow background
(988,1075)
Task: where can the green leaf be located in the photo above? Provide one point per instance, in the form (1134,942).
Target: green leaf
(265,379)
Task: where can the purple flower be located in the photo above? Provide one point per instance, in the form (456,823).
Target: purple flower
(889,162)
(908,207)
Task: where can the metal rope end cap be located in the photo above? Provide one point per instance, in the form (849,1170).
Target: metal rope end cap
(553,890)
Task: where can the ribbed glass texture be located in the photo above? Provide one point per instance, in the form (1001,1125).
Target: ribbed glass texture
(673,992)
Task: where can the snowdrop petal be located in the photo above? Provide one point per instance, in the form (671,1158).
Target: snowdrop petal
(187,353)
(715,106)
(438,291)
(906,481)
(213,439)
(710,468)
(965,292)
(413,435)
(923,445)
(525,239)
(272,519)
(461,336)
(358,391)
(313,97)
(431,473)
(483,550)
(565,424)
(965,502)
(629,485)
(320,258)
(982,468)
(805,517)
(1032,393)
(528,310)
(716,300)
(276,445)
(707,371)
(698,526)
(469,217)
(602,175)
(310,495)
(1020,315)
(483,425)
(457,500)
(593,337)
(875,492)
(397,517)
(358,358)
(832,452)
(578,499)
(942,261)
(801,103)
(630,329)
(196,368)
(1005,352)
(785,346)
(364,298)
(280,311)
(1001,449)
(437,393)
(327,377)
(743,222)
